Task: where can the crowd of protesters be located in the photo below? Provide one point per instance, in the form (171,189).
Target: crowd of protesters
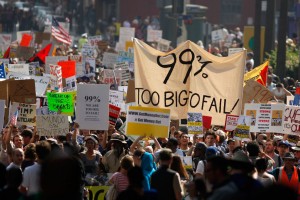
(39,167)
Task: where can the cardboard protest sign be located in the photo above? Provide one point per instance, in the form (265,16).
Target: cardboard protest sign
(217,35)
(92,106)
(123,68)
(242,130)
(61,102)
(56,77)
(163,45)
(71,84)
(126,34)
(93,40)
(19,68)
(265,117)
(22,91)
(290,100)
(52,125)
(231,122)
(24,52)
(115,97)
(111,76)
(2,112)
(27,113)
(194,122)
(40,36)
(114,112)
(130,97)
(26,40)
(53,60)
(146,121)
(109,59)
(41,82)
(88,50)
(187,162)
(68,68)
(257,92)
(76,58)
(153,35)
(198,87)
(291,120)
(89,66)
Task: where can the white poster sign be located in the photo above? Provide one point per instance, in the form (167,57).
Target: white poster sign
(116,97)
(92,106)
(52,125)
(27,113)
(109,59)
(154,35)
(19,68)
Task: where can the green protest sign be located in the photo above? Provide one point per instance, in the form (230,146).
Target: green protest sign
(61,102)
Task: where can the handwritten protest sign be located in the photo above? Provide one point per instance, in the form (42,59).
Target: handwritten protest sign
(146,121)
(114,112)
(19,68)
(197,87)
(41,82)
(111,76)
(61,102)
(115,97)
(56,77)
(93,40)
(231,122)
(53,60)
(92,106)
(153,35)
(88,50)
(291,120)
(256,91)
(27,113)
(265,117)
(194,122)
(109,59)
(242,130)
(123,68)
(52,125)
(217,35)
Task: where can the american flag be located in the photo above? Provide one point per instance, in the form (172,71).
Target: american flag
(59,33)
(14,117)
(2,71)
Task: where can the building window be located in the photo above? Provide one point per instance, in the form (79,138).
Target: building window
(231,12)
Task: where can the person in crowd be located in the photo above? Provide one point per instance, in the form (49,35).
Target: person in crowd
(144,160)
(216,173)
(265,178)
(178,166)
(270,84)
(11,189)
(183,144)
(161,179)
(17,158)
(32,174)
(29,156)
(231,146)
(120,179)
(210,152)
(27,136)
(210,138)
(270,151)
(296,150)
(111,160)
(288,174)
(280,93)
(198,154)
(283,148)
(249,62)
(91,158)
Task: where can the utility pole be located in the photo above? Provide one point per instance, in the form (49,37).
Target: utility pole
(257,25)
(270,31)
(281,50)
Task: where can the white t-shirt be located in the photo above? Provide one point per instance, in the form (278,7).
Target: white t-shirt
(200,167)
(31,178)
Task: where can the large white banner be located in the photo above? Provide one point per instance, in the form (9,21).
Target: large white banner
(291,120)
(92,106)
(189,79)
(265,117)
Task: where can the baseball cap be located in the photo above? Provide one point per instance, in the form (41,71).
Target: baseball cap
(284,142)
(211,152)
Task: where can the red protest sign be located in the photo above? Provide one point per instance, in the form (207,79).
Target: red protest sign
(231,122)
(26,39)
(68,68)
(114,112)
(206,121)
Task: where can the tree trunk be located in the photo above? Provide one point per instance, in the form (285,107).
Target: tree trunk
(281,52)
(257,24)
(270,21)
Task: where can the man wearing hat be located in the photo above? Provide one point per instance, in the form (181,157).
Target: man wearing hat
(296,150)
(288,174)
(283,148)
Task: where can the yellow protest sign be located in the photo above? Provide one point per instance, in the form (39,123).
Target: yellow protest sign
(146,121)
(97,192)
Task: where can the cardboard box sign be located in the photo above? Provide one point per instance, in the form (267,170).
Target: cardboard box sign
(22,91)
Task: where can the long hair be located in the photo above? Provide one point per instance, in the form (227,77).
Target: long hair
(177,166)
